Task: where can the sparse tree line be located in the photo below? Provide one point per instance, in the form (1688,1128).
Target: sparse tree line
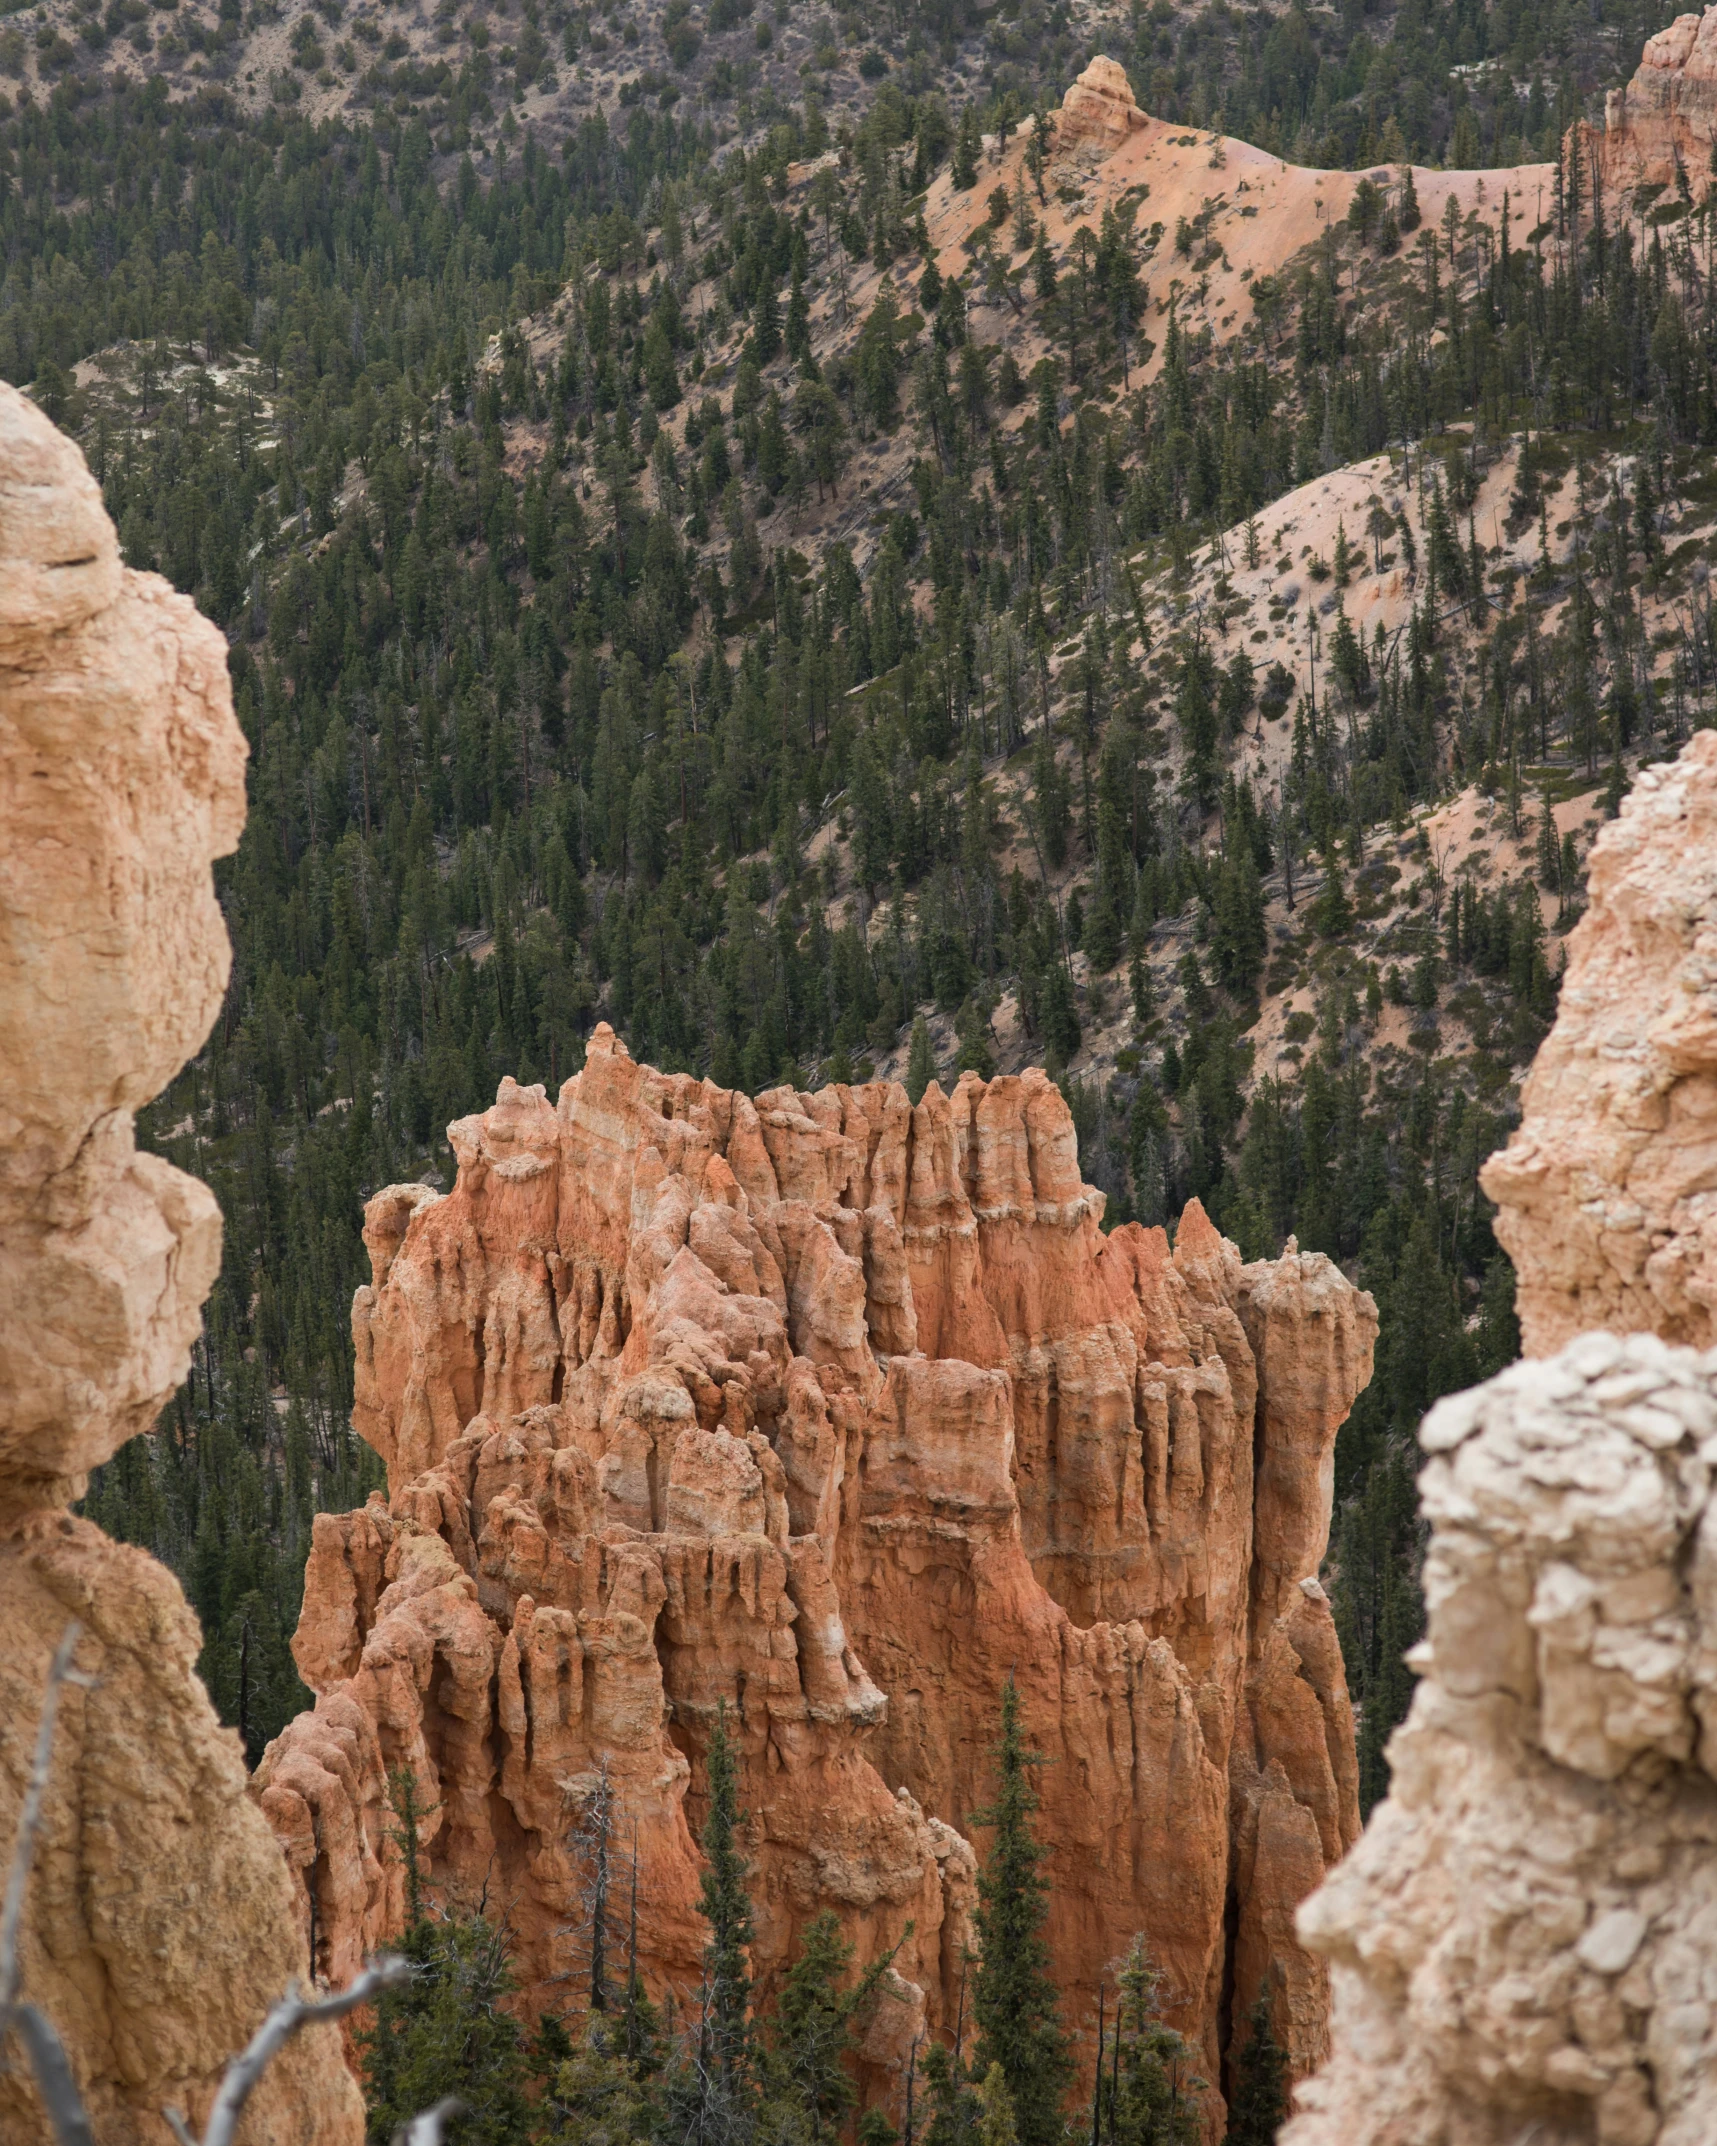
(728,2063)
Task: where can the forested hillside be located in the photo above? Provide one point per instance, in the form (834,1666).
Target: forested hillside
(630,621)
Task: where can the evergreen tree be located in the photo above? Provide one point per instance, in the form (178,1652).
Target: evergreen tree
(920,1062)
(447,2032)
(967,144)
(1014,2002)
(1153,2098)
(727,2057)
(1259,2103)
(813,2022)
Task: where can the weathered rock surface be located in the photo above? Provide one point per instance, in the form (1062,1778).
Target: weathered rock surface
(1658,131)
(1099,110)
(1524,1943)
(1607,1192)
(836,1412)
(160,1924)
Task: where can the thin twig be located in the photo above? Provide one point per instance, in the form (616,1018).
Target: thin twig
(54,2078)
(30,1819)
(426,2130)
(284,2021)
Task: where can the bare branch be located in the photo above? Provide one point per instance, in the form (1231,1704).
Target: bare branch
(29,1819)
(426,2130)
(53,2076)
(282,2023)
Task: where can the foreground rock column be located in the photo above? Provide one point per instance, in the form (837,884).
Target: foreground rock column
(160,1922)
(1524,1943)
(1607,1192)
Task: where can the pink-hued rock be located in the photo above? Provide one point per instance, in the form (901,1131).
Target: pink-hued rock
(837,1413)
(160,1922)
(1659,129)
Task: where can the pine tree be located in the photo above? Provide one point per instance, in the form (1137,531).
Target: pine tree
(1154,2093)
(728,2056)
(1408,214)
(996,2126)
(812,2027)
(1332,912)
(446,2033)
(920,1062)
(968,141)
(1260,2099)
(1014,1999)
(952,2105)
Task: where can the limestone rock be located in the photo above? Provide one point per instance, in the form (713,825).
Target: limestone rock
(836,1412)
(160,1923)
(1522,1941)
(1605,1191)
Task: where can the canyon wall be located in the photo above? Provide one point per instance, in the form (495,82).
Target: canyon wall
(836,1413)
(160,1924)
(1524,1943)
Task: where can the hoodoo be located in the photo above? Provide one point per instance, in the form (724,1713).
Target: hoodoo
(836,1413)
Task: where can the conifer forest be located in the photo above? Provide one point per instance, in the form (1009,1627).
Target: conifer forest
(659,590)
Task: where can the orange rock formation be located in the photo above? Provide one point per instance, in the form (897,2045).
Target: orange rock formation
(1099,109)
(837,1412)
(1660,128)
(160,1925)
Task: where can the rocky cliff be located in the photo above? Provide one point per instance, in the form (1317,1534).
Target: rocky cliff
(1659,130)
(1608,1203)
(1523,1941)
(838,1413)
(160,1924)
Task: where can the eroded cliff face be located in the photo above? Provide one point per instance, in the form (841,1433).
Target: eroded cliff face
(159,1925)
(837,1413)
(1658,131)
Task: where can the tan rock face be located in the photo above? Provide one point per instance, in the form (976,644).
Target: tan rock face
(1522,1942)
(1659,129)
(1606,1191)
(1099,110)
(835,1412)
(161,1923)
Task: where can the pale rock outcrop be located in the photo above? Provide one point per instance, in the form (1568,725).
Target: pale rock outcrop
(160,1924)
(835,1413)
(1524,1943)
(1607,1194)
